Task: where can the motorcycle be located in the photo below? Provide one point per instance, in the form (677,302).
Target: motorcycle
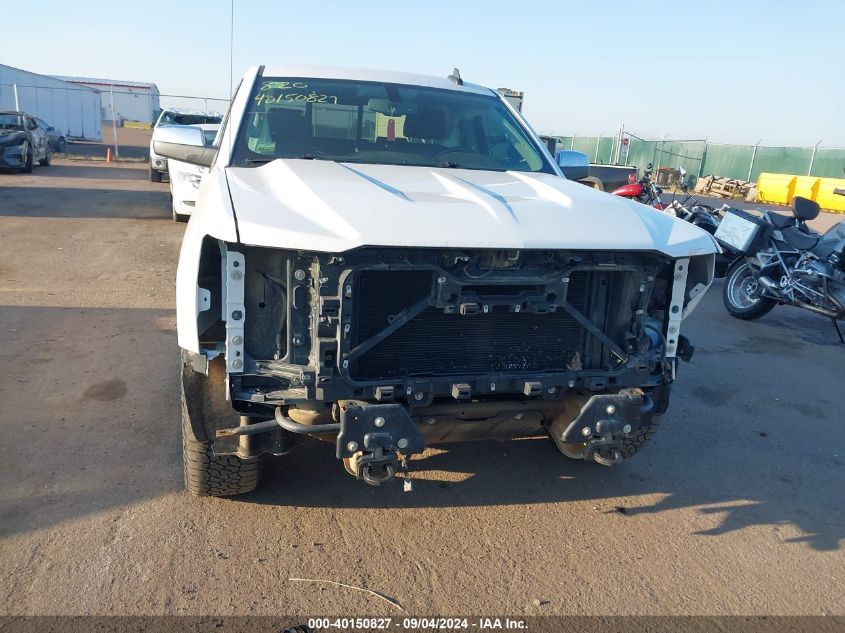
(784,262)
(688,209)
(692,210)
(643,190)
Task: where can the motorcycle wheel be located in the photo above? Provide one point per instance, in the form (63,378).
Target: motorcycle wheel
(742,293)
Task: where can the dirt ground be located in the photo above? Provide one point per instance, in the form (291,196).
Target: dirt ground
(736,508)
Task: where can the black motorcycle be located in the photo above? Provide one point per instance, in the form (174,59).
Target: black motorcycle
(784,262)
(692,210)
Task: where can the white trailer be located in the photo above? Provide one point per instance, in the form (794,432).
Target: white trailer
(75,111)
(123,100)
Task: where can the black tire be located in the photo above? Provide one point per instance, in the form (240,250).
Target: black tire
(27,163)
(61,144)
(737,301)
(180,217)
(634,444)
(210,475)
(629,446)
(155,175)
(45,162)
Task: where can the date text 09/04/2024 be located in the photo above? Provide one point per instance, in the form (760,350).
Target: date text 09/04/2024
(414,624)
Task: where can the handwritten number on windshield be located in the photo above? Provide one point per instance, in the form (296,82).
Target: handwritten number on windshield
(282,85)
(311,97)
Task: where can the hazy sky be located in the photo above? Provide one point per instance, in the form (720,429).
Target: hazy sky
(735,71)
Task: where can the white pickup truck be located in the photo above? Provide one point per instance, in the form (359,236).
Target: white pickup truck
(170,117)
(386,261)
(185,178)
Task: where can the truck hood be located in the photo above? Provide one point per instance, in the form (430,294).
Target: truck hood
(327,206)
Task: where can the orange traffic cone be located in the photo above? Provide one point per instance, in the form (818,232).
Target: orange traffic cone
(109,155)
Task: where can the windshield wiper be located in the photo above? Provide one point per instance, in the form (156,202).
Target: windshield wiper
(450,165)
(264,161)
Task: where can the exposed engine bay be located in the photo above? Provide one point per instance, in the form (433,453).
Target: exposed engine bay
(384,351)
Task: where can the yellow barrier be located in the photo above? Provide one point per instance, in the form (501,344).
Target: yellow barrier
(137,125)
(775,188)
(782,188)
(825,196)
(806,187)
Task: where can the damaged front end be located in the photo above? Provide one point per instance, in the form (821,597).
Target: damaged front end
(384,351)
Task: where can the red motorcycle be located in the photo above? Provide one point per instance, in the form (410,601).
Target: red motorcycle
(642,190)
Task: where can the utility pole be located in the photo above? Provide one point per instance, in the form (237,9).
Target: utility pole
(753,156)
(619,143)
(114,124)
(813,158)
(659,158)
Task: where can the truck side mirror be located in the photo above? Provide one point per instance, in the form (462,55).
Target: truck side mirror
(183,143)
(574,165)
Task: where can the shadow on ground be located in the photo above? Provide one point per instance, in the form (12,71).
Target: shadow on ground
(68,170)
(740,439)
(60,202)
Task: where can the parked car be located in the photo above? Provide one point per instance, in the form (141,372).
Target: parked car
(185,178)
(22,142)
(55,138)
(387,261)
(175,116)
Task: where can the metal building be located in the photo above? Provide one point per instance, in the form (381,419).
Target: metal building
(133,100)
(73,110)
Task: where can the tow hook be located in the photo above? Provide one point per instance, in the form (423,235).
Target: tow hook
(367,475)
(371,438)
(606,455)
(375,468)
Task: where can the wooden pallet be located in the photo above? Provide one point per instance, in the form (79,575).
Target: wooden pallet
(722,187)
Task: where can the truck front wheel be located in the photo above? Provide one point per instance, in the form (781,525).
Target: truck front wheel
(634,443)
(628,447)
(210,475)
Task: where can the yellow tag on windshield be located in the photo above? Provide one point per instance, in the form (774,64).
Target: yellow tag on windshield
(390,127)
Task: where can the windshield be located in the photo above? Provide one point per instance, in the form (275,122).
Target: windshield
(180,118)
(11,122)
(382,123)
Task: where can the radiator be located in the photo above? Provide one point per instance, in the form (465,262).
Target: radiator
(436,343)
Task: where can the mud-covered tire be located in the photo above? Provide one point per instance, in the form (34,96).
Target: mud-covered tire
(634,444)
(210,475)
(733,299)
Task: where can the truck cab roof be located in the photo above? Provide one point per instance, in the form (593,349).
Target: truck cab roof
(367,74)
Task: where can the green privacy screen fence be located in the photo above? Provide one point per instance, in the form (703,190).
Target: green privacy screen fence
(700,158)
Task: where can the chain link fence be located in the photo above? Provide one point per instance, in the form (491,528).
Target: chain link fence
(702,158)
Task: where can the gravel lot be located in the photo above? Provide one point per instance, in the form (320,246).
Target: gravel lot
(736,508)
